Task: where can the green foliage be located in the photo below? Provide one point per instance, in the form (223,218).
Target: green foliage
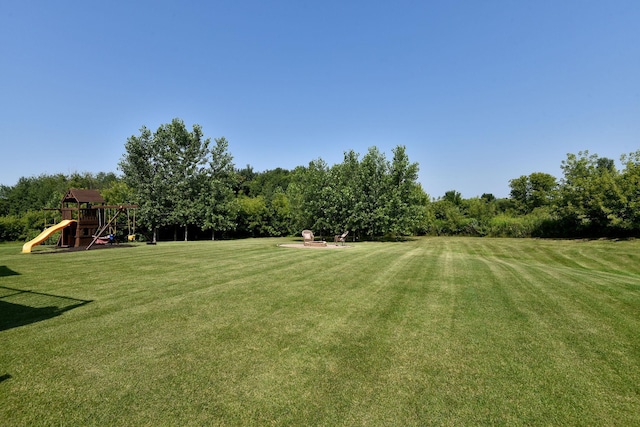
(454,197)
(253,216)
(46,191)
(271,189)
(371,197)
(269,182)
(260,217)
(629,185)
(405,200)
(21,228)
(118,193)
(510,226)
(592,199)
(281,215)
(142,172)
(244,178)
(306,191)
(533,191)
(448,219)
(220,205)
(11,228)
(590,195)
(178,179)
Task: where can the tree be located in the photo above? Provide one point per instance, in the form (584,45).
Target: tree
(629,184)
(533,191)
(405,196)
(590,196)
(253,216)
(347,179)
(448,218)
(454,197)
(143,173)
(308,193)
(220,202)
(480,211)
(170,172)
(280,212)
(371,212)
(272,186)
(267,183)
(488,197)
(118,193)
(373,197)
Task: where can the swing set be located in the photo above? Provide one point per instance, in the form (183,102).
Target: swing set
(108,224)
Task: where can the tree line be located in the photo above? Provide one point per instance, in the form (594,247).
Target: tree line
(187,187)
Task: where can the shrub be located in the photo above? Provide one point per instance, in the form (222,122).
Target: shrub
(11,228)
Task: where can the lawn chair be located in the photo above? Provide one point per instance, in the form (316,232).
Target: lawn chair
(340,238)
(307,235)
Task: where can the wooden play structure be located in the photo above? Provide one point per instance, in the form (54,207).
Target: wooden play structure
(86,220)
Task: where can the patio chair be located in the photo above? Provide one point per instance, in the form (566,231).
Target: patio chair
(340,238)
(307,235)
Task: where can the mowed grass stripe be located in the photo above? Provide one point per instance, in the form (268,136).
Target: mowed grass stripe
(574,315)
(428,331)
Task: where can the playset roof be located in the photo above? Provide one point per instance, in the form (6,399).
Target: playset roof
(82,196)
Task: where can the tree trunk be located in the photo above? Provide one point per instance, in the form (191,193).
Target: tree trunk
(155,234)
(186,230)
(213,234)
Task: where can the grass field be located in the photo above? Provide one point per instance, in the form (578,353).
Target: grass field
(433,331)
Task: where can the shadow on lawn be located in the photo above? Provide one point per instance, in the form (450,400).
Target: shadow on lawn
(6,271)
(19,307)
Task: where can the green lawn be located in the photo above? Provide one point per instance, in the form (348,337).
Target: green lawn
(433,331)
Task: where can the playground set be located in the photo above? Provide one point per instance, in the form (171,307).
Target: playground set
(86,221)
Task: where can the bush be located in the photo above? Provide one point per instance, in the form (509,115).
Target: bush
(508,226)
(21,228)
(11,228)
(539,223)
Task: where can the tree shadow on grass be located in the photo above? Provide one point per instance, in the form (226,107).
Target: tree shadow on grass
(6,271)
(19,307)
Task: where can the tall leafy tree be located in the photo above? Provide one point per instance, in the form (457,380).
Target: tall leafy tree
(589,193)
(271,187)
(454,197)
(347,178)
(168,171)
(405,199)
(220,201)
(143,172)
(253,216)
(308,192)
(371,207)
(280,208)
(533,191)
(184,156)
(371,196)
(629,184)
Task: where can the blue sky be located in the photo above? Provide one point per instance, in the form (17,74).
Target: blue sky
(480,92)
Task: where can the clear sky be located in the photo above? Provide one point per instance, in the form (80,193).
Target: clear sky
(479,91)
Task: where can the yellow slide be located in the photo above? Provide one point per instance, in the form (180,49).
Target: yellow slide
(26,248)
